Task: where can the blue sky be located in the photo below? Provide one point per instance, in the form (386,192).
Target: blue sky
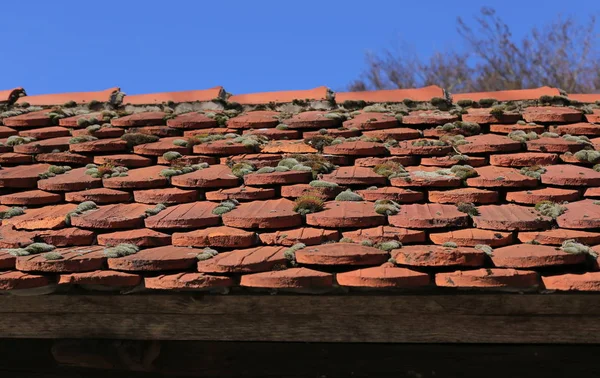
(245,46)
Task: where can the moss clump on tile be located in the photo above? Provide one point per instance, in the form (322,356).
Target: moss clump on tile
(172,155)
(82,139)
(15,140)
(225,207)
(121,250)
(487,102)
(156,209)
(319,142)
(367,243)
(181,142)
(461,127)
(463,171)
(450,245)
(348,195)
(485,248)
(12,212)
(549,134)
(105,171)
(590,156)
(17,252)
(52,256)
(534,171)
(54,170)
(386,207)
(522,136)
(550,209)
(290,253)
(36,248)
(307,204)
(580,139)
(288,162)
(282,126)
(464,103)
(135,139)
(242,168)
(389,245)
(428,143)
(80,209)
(467,208)
(323,184)
(300,168)
(390,169)
(93,128)
(596,167)
(572,246)
(336,116)
(346,240)
(459,157)
(207,254)
(176,170)
(497,111)
(317,163)
(265,170)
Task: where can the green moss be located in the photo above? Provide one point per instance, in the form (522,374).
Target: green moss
(289,162)
(121,250)
(450,245)
(12,212)
(282,126)
(485,248)
(308,204)
(52,256)
(389,245)
(386,207)
(70,104)
(93,128)
(156,209)
(460,127)
(265,170)
(15,140)
(390,169)
(316,162)
(467,208)
(225,207)
(319,142)
(172,155)
(464,103)
(550,209)
(36,248)
(82,139)
(86,206)
(534,171)
(497,111)
(573,247)
(367,243)
(590,156)
(17,252)
(180,142)
(323,184)
(428,143)
(242,168)
(487,102)
(290,253)
(346,240)
(206,254)
(135,139)
(463,171)
(301,168)
(348,195)
(282,169)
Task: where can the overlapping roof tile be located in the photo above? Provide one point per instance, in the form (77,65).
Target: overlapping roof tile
(307,191)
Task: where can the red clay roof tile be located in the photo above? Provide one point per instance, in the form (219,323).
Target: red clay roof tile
(392,95)
(107,95)
(176,97)
(507,279)
(385,276)
(295,278)
(156,259)
(317,94)
(509,95)
(524,256)
(438,256)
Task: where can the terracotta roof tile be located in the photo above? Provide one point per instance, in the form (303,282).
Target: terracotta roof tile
(166,216)
(385,276)
(392,95)
(73,259)
(510,95)
(108,95)
(296,278)
(573,282)
(176,97)
(438,256)
(510,279)
(318,94)
(15,280)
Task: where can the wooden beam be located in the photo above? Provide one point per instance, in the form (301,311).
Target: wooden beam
(131,359)
(472,318)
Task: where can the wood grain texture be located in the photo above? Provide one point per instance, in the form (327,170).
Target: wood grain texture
(474,318)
